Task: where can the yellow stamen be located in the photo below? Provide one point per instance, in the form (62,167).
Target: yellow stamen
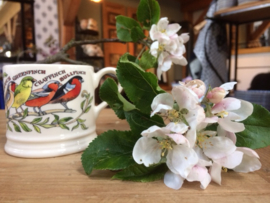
(222,114)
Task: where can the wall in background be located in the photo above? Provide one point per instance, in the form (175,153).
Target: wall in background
(46,24)
(249,65)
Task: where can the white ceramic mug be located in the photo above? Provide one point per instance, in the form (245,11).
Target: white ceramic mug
(50,108)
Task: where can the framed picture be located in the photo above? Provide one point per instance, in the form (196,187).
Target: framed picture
(112,33)
(114,59)
(111,18)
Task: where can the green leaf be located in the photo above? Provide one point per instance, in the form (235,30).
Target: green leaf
(25,113)
(56,119)
(127,28)
(48,126)
(64,120)
(91,99)
(87,109)
(25,127)
(83,126)
(139,122)
(8,113)
(147,61)
(45,121)
(75,127)
(141,87)
(148,13)
(9,127)
(82,104)
(36,120)
(63,126)
(111,150)
(137,34)
(141,173)
(37,128)
(81,120)
(16,127)
(257,127)
(5,74)
(109,93)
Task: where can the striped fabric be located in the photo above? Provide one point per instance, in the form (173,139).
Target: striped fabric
(261,97)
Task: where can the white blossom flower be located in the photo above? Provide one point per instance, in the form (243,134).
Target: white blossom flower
(157,142)
(230,110)
(250,161)
(169,47)
(222,151)
(163,29)
(183,120)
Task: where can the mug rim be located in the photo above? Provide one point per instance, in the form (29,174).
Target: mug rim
(44,65)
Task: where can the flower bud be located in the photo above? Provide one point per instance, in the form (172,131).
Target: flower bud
(216,95)
(197,86)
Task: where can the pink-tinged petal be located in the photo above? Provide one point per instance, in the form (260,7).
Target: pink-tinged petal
(179,139)
(201,174)
(230,161)
(173,180)
(184,37)
(171,47)
(161,102)
(202,157)
(218,147)
(231,126)
(233,116)
(162,57)
(216,95)
(245,110)
(159,72)
(200,115)
(223,133)
(155,131)
(146,151)
(162,24)
(228,86)
(191,136)
(215,172)
(248,164)
(179,51)
(180,128)
(167,64)
(160,108)
(205,182)
(180,60)
(213,119)
(197,173)
(153,31)
(182,158)
(185,97)
(172,29)
(197,86)
(154,48)
(248,152)
(227,104)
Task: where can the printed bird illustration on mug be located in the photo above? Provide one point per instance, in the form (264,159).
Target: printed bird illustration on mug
(57,88)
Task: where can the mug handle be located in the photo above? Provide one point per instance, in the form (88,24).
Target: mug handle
(97,77)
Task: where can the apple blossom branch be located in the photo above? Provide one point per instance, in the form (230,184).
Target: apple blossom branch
(63,56)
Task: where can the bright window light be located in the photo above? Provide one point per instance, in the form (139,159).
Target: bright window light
(8,54)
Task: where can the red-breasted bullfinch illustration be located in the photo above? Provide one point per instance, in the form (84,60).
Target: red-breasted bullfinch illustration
(41,97)
(9,94)
(69,91)
(22,92)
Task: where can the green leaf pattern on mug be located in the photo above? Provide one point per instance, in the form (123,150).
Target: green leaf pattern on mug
(21,124)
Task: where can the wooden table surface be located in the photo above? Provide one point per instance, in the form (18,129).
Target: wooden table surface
(62,179)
